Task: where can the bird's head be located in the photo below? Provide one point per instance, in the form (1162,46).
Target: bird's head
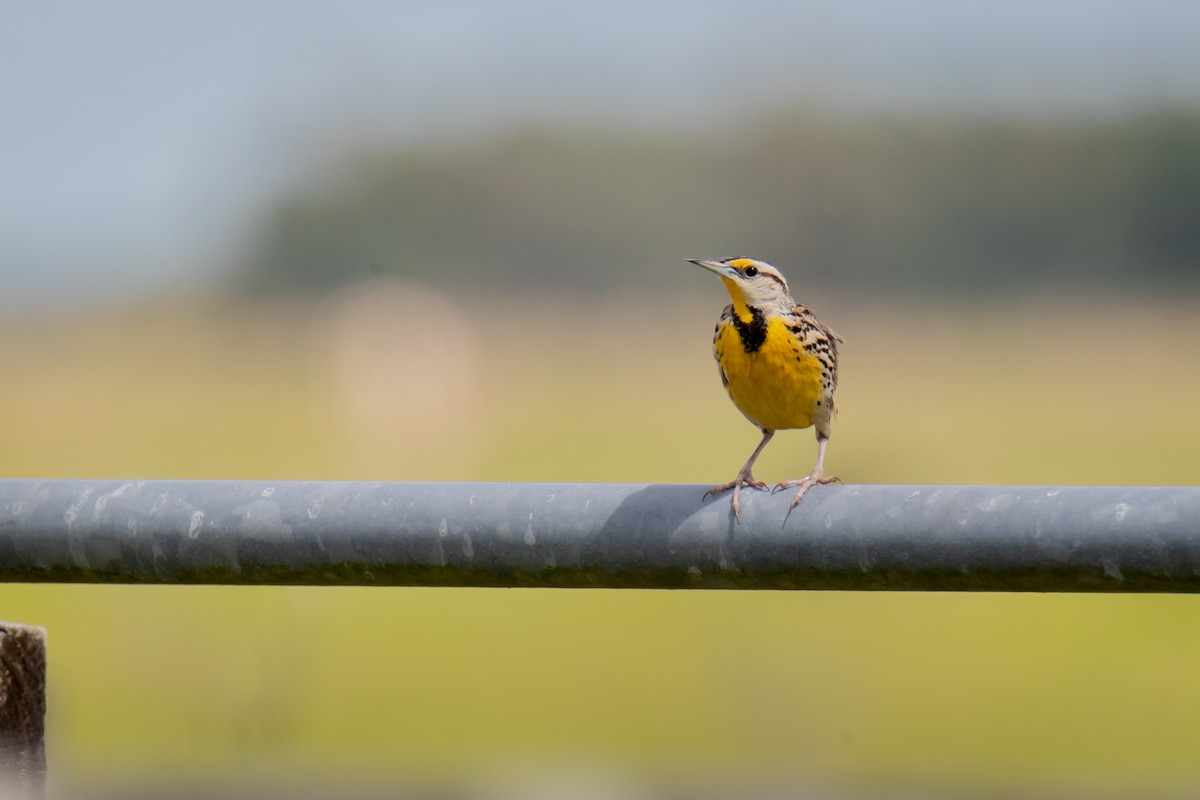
(750,282)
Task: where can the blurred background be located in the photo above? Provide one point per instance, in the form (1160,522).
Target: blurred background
(446,241)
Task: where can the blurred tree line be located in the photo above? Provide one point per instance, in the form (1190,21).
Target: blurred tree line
(870,204)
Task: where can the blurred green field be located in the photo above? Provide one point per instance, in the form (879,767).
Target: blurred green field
(1035,695)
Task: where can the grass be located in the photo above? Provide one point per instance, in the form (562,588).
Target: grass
(1033,694)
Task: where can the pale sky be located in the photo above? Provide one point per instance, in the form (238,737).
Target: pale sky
(138,139)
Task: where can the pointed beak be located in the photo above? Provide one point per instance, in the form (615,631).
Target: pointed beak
(715,266)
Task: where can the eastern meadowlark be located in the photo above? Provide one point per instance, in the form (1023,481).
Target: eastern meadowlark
(777,361)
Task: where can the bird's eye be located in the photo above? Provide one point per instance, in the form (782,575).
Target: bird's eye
(751,272)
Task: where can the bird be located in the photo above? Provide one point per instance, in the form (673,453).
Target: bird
(779,364)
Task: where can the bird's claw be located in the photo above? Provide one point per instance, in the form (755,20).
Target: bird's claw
(736,484)
(805,483)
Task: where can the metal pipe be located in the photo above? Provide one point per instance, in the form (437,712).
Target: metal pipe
(968,538)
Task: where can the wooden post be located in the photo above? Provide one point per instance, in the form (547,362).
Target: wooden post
(22,712)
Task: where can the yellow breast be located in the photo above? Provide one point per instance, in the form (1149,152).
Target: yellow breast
(778,386)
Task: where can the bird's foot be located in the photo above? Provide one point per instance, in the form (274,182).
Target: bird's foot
(807,482)
(736,484)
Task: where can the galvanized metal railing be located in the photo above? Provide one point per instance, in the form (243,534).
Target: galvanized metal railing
(969,538)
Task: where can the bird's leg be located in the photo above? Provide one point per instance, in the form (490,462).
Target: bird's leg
(745,477)
(813,478)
